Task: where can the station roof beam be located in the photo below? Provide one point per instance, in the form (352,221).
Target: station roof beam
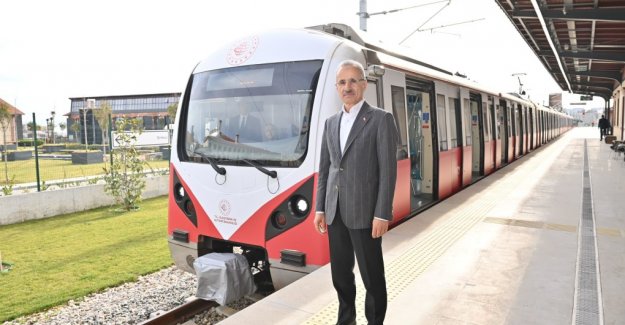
(580,42)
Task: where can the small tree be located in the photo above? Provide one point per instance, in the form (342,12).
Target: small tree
(5,123)
(76,128)
(102,116)
(171,112)
(125,180)
(62,126)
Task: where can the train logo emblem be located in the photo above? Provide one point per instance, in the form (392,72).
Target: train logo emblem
(224,207)
(242,50)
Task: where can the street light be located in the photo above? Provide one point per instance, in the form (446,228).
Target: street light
(47,130)
(52,122)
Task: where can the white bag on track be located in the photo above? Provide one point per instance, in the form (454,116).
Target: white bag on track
(223,277)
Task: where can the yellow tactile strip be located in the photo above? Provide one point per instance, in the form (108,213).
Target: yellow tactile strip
(405,268)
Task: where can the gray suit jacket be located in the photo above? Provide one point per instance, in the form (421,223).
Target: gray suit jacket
(361,180)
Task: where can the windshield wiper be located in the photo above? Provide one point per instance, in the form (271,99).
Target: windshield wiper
(271,173)
(211,161)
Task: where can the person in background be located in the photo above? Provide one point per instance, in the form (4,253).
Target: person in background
(246,126)
(357,173)
(604,125)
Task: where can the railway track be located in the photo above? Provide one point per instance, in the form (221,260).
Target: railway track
(189,310)
(182,313)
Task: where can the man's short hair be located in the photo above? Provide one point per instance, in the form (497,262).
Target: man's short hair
(352,64)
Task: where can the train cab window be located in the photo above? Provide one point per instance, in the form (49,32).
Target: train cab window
(399,112)
(453,123)
(441,123)
(255,113)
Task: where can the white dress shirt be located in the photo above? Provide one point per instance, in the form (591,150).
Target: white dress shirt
(347,121)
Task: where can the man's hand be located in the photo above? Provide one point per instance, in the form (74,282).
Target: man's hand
(379,228)
(320,222)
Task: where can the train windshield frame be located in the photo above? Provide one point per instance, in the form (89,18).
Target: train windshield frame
(257,113)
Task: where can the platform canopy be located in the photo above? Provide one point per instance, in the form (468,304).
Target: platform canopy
(580,42)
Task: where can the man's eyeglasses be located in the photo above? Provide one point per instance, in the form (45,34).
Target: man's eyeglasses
(344,82)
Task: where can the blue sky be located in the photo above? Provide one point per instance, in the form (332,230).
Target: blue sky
(53,50)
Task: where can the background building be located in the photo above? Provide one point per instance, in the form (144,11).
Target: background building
(151,108)
(15,131)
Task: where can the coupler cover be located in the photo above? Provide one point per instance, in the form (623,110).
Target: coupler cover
(223,277)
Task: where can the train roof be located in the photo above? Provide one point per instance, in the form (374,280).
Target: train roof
(398,57)
(318,43)
(277,45)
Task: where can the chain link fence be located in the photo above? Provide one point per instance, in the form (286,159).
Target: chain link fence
(41,163)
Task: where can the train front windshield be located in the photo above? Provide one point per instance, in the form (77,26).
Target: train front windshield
(259,113)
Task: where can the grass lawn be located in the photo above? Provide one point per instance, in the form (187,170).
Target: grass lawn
(67,257)
(25,172)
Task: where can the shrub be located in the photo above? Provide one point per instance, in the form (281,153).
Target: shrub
(28,142)
(124,178)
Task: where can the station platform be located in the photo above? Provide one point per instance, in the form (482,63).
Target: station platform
(541,241)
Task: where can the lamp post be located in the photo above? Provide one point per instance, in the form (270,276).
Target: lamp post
(52,122)
(47,130)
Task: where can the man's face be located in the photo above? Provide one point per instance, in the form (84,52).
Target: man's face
(350,86)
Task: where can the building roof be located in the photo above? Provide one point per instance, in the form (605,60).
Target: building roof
(126,96)
(12,108)
(580,42)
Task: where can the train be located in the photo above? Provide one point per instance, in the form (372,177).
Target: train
(252,190)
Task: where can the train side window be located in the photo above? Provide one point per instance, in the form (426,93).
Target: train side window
(453,124)
(371,93)
(441,123)
(467,122)
(499,121)
(485,122)
(399,112)
(493,121)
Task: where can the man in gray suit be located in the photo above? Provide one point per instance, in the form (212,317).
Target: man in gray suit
(357,174)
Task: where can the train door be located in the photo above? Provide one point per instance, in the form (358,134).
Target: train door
(503,131)
(526,129)
(518,151)
(490,137)
(497,133)
(531,127)
(477,165)
(419,95)
(467,155)
(455,143)
(542,128)
(394,99)
(511,131)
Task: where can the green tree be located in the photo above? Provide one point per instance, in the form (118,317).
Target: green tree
(76,128)
(125,179)
(102,116)
(62,126)
(171,112)
(31,125)
(5,123)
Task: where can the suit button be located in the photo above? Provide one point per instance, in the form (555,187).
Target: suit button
(336,187)
(341,169)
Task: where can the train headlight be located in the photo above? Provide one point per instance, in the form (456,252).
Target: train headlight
(299,206)
(189,209)
(179,192)
(278,219)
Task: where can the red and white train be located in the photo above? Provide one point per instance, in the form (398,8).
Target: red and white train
(245,151)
